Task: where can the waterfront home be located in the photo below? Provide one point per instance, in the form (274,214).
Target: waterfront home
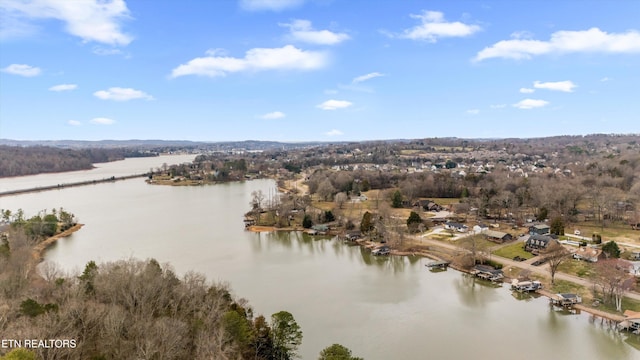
(537,243)
(588,254)
(631,321)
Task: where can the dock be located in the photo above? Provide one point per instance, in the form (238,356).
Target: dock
(438,265)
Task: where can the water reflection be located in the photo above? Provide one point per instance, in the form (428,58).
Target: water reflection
(474,292)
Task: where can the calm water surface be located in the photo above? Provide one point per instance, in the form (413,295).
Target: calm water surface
(381,308)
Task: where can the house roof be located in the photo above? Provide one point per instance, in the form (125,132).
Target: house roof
(495,234)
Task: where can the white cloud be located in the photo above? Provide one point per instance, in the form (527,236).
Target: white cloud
(366,77)
(593,40)
(434,26)
(605,79)
(74,123)
(99,50)
(102,121)
(301,30)
(274,5)
(334,132)
(334,104)
(63,87)
(527,104)
(122,94)
(22,70)
(473,111)
(273,115)
(498,106)
(91,20)
(284,58)
(564,86)
(527,90)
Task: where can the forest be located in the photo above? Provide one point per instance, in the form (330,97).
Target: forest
(20,161)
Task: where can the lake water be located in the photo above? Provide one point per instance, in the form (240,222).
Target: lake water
(381,308)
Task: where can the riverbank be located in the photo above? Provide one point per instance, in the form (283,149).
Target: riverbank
(38,251)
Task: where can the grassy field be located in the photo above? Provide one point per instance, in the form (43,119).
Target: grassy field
(615,231)
(562,286)
(513,250)
(627,304)
(579,268)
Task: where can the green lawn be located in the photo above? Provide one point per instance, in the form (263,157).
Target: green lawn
(513,250)
(563,287)
(627,304)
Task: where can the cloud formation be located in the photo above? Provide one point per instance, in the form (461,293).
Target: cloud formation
(334,104)
(22,70)
(366,77)
(564,86)
(527,90)
(91,20)
(593,40)
(527,104)
(273,115)
(257,59)
(334,132)
(102,121)
(273,5)
(434,26)
(301,30)
(63,87)
(122,94)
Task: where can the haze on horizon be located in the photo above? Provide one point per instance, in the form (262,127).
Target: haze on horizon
(311,70)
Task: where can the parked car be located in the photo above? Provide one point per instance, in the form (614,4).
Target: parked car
(576,232)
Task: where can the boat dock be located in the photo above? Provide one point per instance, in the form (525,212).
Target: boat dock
(438,265)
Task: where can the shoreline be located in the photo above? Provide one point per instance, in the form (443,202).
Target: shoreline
(37,253)
(371,245)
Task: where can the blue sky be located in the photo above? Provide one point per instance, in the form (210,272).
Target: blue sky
(328,70)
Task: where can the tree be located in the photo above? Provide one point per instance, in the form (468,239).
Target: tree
(340,199)
(328,216)
(286,335)
(611,250)
(612,277)
(366,225)
(542,214)
(555,254)
(20,354)
(337,352)
(396,199)
(414,221)
(307,222)
(557,226)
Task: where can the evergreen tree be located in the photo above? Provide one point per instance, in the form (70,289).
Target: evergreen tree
(396,199)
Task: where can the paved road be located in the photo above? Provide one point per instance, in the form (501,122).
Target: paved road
(542,269)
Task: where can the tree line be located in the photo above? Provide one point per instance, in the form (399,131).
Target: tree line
(20,161)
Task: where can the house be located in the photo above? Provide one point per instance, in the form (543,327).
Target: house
(525,286)
(456,227)
(540,229)
(480,228)
(428,205)
(536,243)
(497,236)
(631,321)
(588,254)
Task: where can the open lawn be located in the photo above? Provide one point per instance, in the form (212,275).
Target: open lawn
(627,304)
(513,250)
(563,287)
(612,231)
(579,268)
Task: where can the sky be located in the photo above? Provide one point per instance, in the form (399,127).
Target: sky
(317,70)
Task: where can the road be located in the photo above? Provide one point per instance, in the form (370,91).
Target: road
(541,270)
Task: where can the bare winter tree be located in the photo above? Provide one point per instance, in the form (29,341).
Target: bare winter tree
(555,254)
